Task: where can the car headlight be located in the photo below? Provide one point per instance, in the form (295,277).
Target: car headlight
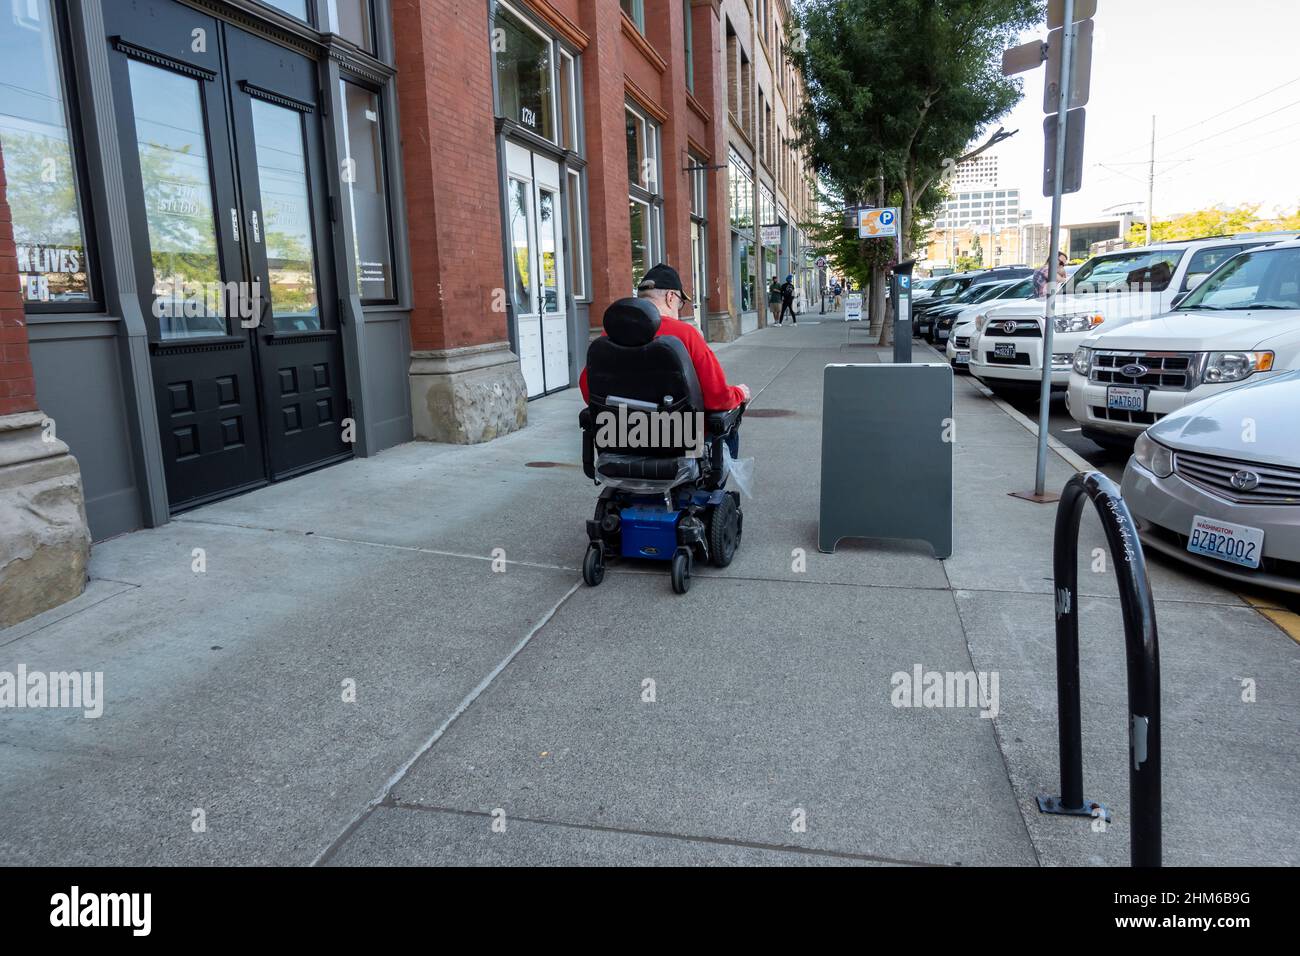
(1062,359)
(1153,456)
(1225,367)
(1083,361)
(981,321)
(1077,323)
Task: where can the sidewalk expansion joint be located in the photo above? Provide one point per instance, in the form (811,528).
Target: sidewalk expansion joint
(446,725)
(668,835)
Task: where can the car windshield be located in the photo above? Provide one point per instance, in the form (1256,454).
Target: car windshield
(1263,279)
(1149,270)
(976,293)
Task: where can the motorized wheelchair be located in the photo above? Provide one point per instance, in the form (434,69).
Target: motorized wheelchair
(668,502)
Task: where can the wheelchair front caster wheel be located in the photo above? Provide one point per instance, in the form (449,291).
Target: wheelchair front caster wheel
(593,565)
(681,572)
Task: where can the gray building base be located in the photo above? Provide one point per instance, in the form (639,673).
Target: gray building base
(723,327)
(467,395)
(44,539)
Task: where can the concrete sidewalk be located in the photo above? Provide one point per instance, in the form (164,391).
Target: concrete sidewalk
(483,695)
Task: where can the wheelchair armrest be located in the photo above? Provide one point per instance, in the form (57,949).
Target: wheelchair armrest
(721,423)
(587,424)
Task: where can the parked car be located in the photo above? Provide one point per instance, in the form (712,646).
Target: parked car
(1241,322)
(1205,489)
(1108,291)
(1006,292)
(954,285)
(973,295)
(924,288)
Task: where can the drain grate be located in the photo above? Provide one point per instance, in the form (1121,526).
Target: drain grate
(770,413)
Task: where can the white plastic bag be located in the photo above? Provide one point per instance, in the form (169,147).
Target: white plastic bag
(741,471)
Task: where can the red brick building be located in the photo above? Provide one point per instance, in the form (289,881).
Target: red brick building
(251,238)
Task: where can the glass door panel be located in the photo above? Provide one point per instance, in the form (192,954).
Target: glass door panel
(171,143)
(285,220)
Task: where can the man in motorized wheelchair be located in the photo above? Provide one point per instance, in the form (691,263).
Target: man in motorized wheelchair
(659,411)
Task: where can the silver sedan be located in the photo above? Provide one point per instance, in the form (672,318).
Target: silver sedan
(1217,484)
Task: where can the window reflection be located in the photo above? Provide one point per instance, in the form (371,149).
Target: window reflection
(42,192)
(286,218)
(172,147)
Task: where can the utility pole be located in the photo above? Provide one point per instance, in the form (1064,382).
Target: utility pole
(1151,179)
(878,276)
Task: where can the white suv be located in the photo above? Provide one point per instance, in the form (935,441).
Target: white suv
(1108,291)
(1242,323)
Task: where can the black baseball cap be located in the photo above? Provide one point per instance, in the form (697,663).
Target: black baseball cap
(664,277)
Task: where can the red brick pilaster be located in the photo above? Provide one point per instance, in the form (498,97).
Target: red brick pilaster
(17,382)
(607,185)
(444,85)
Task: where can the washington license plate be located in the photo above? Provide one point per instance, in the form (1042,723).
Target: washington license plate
(963,358)
(1004,350)
(1126,399)
(1225,541)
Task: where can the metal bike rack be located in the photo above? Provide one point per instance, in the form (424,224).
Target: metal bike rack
(1143,656)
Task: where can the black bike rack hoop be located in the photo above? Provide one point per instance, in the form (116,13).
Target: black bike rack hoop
(1142,652)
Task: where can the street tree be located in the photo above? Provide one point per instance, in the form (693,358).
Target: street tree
(898,89)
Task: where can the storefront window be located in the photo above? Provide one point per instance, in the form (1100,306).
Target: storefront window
(741,182)
(642,238)
(351,19)
(365,193)
(295,8)
(577,254)
(568,103)
(642,158)
(49,230)
(748,275)
(524,75)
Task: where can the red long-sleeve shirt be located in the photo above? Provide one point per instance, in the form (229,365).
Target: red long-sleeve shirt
(718,395)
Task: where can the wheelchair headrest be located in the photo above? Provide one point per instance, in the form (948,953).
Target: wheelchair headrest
(631,322)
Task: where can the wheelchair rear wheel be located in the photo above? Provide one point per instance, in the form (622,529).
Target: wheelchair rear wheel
(593,565)
(724,531)
(681,571)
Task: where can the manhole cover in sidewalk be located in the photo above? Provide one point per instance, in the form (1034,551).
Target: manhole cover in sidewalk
(770,413)
(549,464)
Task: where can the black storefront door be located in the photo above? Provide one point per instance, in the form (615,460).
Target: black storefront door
(225,185)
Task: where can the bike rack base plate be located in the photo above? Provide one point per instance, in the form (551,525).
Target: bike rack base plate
(1049,804)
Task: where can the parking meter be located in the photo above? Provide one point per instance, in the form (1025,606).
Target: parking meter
(901,290)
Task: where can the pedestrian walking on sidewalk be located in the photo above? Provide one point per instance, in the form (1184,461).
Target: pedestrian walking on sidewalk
(787,300)
(836,292)
(774,300)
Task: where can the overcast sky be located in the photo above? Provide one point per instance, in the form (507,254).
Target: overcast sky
(1202,67)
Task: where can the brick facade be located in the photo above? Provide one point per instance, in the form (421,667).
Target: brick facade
(17,383)
(450,166)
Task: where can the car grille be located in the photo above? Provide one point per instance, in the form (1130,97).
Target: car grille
(1122,415)
(1020,359)
(1174,371)
(1277,485)
(1025,329)
(961,342)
